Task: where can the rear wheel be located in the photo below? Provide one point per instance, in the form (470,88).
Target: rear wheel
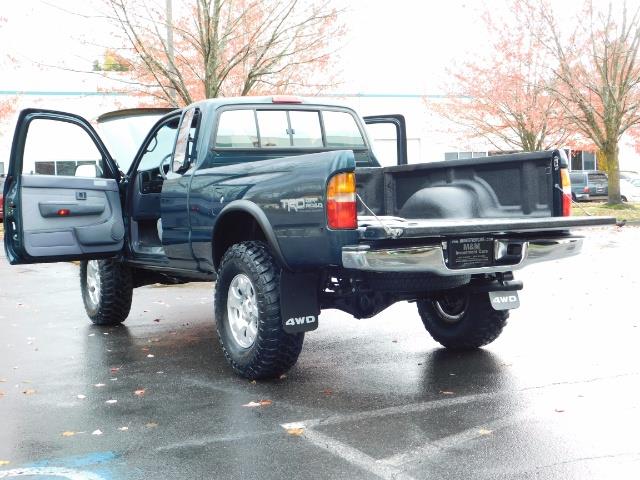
(107,290)
(247,311)
(461,320)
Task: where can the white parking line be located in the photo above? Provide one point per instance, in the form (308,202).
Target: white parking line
(398,410)
(355,456)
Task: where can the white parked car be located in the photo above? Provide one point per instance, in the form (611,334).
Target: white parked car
(630,189)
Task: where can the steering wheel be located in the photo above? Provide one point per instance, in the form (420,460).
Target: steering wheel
(162,163)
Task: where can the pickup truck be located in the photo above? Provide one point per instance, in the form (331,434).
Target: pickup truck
(284,204)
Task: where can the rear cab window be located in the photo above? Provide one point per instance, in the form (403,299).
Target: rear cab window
(255,133)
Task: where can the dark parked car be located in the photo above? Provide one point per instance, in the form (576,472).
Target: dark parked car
(589,185)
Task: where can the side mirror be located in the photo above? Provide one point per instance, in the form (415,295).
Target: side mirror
(86,170)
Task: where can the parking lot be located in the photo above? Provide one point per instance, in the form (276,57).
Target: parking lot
(554,397)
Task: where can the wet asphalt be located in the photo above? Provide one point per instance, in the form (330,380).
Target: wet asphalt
(556,396)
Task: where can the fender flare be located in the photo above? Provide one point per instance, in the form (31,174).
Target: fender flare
(259,216)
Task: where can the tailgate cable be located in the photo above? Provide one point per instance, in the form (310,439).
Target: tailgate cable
(391,232)
(573,202)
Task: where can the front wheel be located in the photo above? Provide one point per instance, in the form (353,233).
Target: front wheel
(247,312)
(461,320)
(107,290)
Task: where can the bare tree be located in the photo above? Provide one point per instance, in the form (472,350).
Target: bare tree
(226,47)
(596,76)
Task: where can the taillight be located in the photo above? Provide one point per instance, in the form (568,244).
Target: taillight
(341,201)
(585,190)
(566,192)
(285,99)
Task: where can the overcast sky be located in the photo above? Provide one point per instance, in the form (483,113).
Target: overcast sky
(391,47)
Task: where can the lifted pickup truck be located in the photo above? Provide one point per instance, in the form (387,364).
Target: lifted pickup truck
(283,202)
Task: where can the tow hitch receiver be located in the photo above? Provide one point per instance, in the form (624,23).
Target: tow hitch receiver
(504,300)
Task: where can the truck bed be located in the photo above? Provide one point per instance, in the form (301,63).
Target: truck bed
(504,186)
(505,193)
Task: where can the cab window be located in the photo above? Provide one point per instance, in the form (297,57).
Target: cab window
(237,129)
(270,128)
(341,130)
(76,154)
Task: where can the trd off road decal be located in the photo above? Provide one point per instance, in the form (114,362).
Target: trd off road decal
(301,204)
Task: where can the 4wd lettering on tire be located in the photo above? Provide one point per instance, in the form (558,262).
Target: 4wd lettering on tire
(300,320)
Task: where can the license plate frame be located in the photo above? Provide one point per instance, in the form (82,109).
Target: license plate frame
(470,252)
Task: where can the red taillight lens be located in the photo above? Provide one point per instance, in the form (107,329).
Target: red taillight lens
(566,192)
(585,189)
(341,202)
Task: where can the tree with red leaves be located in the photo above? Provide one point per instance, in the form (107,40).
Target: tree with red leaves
(502,96)
(196,49)
(596,75)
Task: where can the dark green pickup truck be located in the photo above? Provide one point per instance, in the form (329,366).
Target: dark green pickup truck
(283,203)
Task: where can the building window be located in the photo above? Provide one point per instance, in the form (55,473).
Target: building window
(583,160)
(589,161)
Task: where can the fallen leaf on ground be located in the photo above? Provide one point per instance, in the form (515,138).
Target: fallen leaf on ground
(99,385)
(484,431)
(115,369)
(96,432)
(446,392)
(295,431)
(139,393)
(253,382)
(68,434)
(327,391)
(111,402)
(123,429)
(29,391)
(151,425)
(259,403)
(4,462)
(81,397)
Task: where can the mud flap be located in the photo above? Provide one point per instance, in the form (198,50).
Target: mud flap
(504,300)
(299,304)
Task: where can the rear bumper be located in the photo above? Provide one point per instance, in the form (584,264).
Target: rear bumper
(431,258)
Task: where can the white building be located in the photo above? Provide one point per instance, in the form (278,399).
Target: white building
(430,137)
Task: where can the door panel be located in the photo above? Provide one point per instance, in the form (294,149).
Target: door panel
(53,212)
(70,215)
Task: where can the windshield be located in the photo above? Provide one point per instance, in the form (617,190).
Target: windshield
(124,135)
